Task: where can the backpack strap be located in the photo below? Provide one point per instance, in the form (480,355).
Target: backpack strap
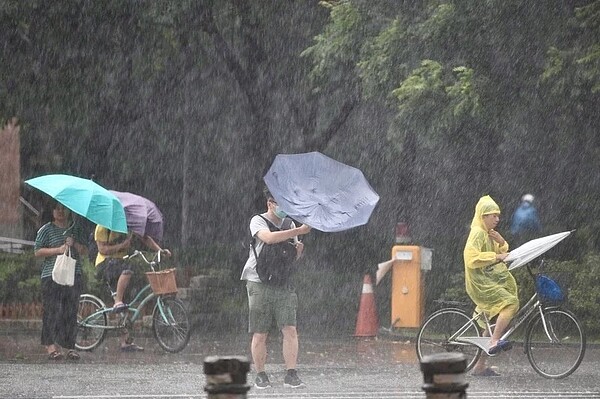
(286,225)
(286,222)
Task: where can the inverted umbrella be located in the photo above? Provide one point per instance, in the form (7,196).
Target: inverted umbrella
(143,216)
(84,197)
(321,192)
(534,248)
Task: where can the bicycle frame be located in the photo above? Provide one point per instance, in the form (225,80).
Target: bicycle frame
(133,310)
(523,315)
(170,320)
(553,339)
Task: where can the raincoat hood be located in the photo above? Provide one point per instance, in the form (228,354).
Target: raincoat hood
(485,206)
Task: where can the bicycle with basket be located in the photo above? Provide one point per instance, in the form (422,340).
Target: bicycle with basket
(170,319)
(554,339)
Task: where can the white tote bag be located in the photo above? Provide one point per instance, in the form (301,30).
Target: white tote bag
(64,269)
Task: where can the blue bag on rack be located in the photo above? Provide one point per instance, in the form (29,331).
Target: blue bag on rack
(548,290)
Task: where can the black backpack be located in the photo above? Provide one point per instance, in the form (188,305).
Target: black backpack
(275,265)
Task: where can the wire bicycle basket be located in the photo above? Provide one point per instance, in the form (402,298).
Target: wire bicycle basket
(163,281)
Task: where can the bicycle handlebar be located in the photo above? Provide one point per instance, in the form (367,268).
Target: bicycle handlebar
(141,254)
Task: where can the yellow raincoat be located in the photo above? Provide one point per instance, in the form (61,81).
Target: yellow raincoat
(492,288)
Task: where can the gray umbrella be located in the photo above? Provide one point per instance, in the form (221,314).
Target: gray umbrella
(321,192)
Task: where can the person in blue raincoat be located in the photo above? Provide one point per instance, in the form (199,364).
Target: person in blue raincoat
(525,221)
(487,279)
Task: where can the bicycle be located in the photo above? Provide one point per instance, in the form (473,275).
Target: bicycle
(554,341)
(170,320)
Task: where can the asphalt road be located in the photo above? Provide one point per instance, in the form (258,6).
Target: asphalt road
(332,367)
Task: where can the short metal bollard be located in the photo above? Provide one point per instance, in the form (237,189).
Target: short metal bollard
(226,377)
(444,376)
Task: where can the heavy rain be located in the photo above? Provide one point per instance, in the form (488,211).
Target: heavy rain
(188,103)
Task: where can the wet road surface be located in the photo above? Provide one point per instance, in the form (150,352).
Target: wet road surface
(332,367)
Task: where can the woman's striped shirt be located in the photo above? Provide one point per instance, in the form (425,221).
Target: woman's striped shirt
(52,236)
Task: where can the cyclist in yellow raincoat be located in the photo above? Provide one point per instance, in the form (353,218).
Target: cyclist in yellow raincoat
(487,279)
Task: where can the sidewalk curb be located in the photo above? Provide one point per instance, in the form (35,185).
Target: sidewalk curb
(25,326)
(20,325)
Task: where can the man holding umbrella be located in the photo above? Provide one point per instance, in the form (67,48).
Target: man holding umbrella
(319,192)
(268,301)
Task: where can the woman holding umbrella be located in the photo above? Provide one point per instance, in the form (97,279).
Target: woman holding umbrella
(59,320)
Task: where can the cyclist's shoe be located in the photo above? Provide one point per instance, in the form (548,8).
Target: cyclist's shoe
(120,307)
(262,381)
(486,372)
(131,348)
(292,380)
(501,346)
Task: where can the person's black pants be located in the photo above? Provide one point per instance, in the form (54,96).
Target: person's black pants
(59,320)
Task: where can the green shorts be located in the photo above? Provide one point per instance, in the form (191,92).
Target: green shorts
(270,304)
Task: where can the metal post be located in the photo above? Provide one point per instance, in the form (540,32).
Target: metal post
(444,376)
(226,377)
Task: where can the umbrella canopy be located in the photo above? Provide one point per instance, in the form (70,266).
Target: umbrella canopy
(84,197)
(534,248)
(143,216)
(321,192)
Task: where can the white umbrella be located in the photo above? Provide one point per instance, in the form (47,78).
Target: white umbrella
(534,248)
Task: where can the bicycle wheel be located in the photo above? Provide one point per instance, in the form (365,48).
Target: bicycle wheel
(434,335)
(171,324)
(557,350)
(88,335)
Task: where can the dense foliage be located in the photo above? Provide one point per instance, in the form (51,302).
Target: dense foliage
(19,279)
(437,102)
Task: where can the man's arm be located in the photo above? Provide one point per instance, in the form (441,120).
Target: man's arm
(150,243)
(110,249)
(273,237)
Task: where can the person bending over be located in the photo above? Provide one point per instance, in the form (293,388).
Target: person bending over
(110,265)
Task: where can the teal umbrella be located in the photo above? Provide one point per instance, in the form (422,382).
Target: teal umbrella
(84,197)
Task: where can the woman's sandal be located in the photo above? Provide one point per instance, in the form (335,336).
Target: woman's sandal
(73,355)
(55,355)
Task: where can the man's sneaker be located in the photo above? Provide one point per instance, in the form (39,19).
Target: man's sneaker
(262,381)
(292,380)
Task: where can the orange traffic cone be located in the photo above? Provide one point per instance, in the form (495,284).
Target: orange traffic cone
(367,322)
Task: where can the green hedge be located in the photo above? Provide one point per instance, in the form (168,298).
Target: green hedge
(19,278)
